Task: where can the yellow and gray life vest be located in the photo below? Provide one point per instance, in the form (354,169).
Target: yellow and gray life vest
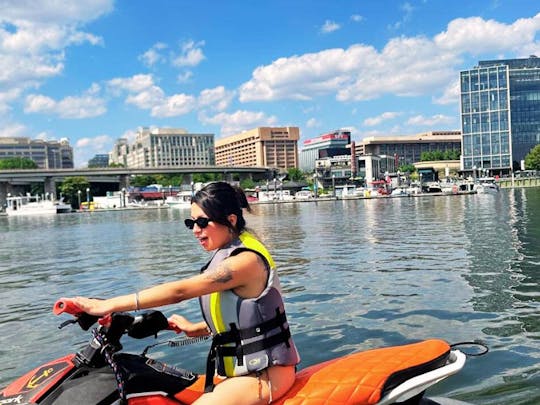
(249,334)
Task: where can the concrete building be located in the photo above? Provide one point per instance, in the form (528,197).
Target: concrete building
(275,147)
(407,149)
(500,114)
(46,154)
(165,147)
(335,143)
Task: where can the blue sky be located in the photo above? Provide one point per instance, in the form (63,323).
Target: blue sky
(93,71)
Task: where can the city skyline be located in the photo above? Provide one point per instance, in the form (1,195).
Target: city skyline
(95,71)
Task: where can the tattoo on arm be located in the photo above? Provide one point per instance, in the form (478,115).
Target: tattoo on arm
(222,274)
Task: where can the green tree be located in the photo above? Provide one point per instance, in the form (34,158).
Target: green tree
(70,188)
(295,174)
(247,184)
(409,168)
(532,160)
(17,163)
(142,180)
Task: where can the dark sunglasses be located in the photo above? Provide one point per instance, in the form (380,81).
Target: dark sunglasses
(201,222)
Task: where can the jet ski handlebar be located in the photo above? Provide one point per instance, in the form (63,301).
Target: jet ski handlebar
(139,326)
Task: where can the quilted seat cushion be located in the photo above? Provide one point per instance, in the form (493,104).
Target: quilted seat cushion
(360,378)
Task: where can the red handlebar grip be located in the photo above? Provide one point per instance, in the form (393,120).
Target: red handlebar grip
(66,305)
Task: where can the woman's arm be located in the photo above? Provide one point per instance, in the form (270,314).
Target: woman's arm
(241,271)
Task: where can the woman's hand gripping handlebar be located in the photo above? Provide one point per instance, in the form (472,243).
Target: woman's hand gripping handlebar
(65,305)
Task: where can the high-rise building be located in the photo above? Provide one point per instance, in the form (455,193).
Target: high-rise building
(327,145)
(500,114)
(164,147)
(46,154)
(275,147)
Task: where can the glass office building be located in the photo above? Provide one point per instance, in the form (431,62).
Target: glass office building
(500,114)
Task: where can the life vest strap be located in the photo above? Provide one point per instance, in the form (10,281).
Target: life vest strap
(248,348)
(235,335)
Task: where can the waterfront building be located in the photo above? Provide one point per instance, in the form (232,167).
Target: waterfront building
(341,170)
(500,114)
(335,143)
(100,160)
(164,147)
(46,154)
(407,149)
(275,147)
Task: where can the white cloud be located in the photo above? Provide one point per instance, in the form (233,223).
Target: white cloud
(132,84)
(147,98)
(13,130)
(191,54)
(330,26)
(7,97)
(153,55)
(313,123)
(433,121)
(184,77)
(34,35)
(71,107)
(218,98)
(55,12)
(450,94)
(178,104)
(238,121)
(86,148)
(357,18)
(386,116)
(406,66)
(476,35)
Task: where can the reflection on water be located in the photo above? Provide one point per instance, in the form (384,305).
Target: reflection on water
(357,274)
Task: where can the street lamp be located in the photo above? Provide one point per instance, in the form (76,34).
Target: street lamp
(334,185)
(474,173)
(124,197)
(88,198)
(192,189)
(79,199)
(315,185)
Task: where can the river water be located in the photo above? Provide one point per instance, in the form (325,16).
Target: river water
(357,274)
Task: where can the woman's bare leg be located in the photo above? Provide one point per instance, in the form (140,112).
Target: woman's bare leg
(271,384)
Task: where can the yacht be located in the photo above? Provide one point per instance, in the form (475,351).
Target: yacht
(180,200)
(34,205)
(486,185)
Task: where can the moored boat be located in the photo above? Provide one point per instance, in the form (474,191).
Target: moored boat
(486,185)
(179,200)
(34,205)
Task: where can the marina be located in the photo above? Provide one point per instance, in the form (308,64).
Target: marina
(357,274)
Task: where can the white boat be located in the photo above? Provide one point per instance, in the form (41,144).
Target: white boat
(399,192)
(486,185)
(180,200)
(303,195)
(34,205)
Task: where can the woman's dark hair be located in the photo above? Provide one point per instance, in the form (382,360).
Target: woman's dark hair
(219,199)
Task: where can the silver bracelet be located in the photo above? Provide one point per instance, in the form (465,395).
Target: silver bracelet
(137,303)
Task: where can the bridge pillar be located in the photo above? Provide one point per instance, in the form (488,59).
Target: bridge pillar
(50,187)
(123,181)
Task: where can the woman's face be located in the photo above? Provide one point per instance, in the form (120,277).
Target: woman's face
(213,236)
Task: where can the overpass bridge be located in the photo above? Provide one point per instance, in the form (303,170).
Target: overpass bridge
(11,179)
